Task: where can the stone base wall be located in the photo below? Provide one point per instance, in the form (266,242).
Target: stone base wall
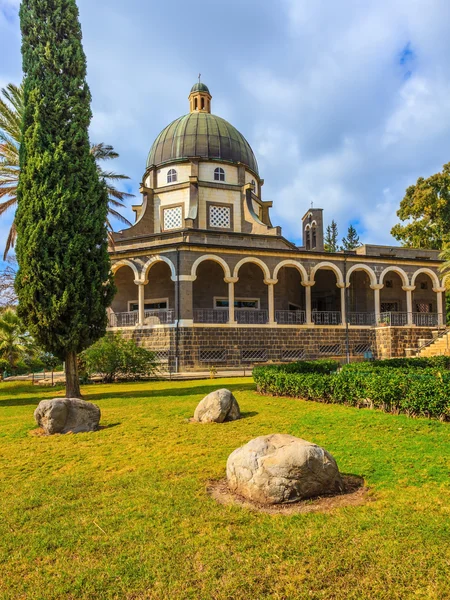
(199,348)
(397,342)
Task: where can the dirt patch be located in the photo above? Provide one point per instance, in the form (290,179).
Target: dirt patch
(356,494)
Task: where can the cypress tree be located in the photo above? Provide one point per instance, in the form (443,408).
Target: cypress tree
(331,238)
(352,240)
(64,283)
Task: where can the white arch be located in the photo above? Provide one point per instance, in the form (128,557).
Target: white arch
(217,259)
(291,263)
(404,277)
(434,278)
(329,266)
(155,259)
(256,261)
(361,267)
(125,263)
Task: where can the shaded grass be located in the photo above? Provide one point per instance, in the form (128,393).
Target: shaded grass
(123,513)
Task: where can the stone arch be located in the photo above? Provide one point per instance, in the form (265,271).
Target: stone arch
(256,261)
(155,259)
(434,278)
(213,257)
(295,265)
(330,266)
(125,263)
(400,272)
(361,267)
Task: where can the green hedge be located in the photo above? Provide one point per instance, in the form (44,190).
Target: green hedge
(406,388)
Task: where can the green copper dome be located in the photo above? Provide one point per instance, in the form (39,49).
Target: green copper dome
(203,135)
(200,87)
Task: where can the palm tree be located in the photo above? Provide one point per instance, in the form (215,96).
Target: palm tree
(14,342)
(11,113)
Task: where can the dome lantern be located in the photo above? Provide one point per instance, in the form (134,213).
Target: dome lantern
(200,98)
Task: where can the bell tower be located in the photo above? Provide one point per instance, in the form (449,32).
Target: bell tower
(200,98)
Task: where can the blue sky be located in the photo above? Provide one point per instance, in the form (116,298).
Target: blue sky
(344,103)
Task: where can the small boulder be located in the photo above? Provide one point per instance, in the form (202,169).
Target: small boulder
(278,468)
(217,407)
(64,415)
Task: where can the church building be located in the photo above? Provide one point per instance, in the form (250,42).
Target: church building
(205,279)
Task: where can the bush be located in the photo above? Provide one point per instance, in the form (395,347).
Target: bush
(113,357)
(415,388)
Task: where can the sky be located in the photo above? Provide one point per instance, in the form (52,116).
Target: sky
(345,103)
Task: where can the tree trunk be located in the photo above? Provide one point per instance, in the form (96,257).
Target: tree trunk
(72,379)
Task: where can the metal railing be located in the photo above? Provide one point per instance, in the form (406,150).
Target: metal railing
(400,319)
(124,319)
(211,315)
(290,317)
(444,332)
(426,319)
(159,317)
(361,318)
(326,317)
(151,317)
(245,316)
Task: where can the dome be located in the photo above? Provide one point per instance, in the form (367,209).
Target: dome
(201,134)
(199,87)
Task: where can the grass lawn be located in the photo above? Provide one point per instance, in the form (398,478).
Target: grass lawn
(123,513)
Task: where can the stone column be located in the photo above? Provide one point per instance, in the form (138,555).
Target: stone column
(271,293)
(409,304)
(308,285)
(141,301)
(343,287)
(377,287)
(440,305)
(184,300)
(231,313)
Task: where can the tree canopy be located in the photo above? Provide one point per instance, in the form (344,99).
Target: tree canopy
(352,240)
(425,209)
(331,238)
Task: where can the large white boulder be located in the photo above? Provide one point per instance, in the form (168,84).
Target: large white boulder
(217,407)
(279,468)
(64,415)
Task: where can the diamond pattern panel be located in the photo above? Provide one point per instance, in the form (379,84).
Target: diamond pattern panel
(220,216)
(173,218)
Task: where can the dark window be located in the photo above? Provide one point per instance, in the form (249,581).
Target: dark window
(195,104)
(424,285)
(389,283)
(314,237)
(203,103)
(149,306)
(172,176)
(254,186)
(219,174)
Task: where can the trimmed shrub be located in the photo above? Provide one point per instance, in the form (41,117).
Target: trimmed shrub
(417,389)
(113,357)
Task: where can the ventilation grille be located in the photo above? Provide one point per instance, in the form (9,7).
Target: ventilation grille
(334,349)
(292,355)
(362,348)
(173,218)
(161,356)
(259,355)
(213,355)
(220,216)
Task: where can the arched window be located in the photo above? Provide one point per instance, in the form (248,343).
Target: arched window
(254,186)
(172,176)
(219,174)
(314,236)
(203,104)
(195,104)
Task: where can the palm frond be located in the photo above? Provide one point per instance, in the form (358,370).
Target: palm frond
(8,204)
(103,152)
(116,203)
(119,217)
(11,240)
(117,194)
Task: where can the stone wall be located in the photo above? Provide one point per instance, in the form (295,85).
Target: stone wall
(239,347)
(393,342)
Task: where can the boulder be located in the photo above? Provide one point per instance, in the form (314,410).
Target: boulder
(64,415)
(217,407)
(278,468)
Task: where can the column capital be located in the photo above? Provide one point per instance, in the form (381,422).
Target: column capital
(377,286)
(308,283)
(141,281)
(439,290)
(231,279)
(342,286)
(408,288)
(270,281)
